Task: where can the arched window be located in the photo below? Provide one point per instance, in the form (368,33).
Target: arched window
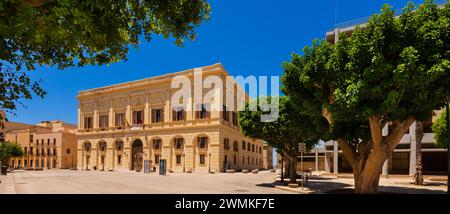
(156,144)
(202,142)
(87,147)
(178,143)
(103,146)
(119,145)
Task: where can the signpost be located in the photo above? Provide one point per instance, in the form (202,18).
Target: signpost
(302,148)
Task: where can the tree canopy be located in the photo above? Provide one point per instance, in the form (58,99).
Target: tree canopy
(393,70)
(288,130)
(9,149)
(440,130)
(67,33)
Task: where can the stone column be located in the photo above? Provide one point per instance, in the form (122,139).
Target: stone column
(79,119)
(109,156)
(111,116)
(335,157)
(147,111)
(412,151)
(95,119)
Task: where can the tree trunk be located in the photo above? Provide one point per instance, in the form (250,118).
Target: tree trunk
(367,174)
(418,176)
(293,169)
(286,167)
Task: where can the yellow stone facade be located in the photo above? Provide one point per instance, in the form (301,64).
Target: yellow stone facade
(47,145)
(132,125)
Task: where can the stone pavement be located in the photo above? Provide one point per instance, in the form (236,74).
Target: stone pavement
(265,182)
(7,184)
(69,181)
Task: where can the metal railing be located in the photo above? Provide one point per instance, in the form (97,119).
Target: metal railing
(364,20)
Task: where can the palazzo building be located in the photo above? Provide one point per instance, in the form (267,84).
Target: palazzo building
(134,125)
(46,145)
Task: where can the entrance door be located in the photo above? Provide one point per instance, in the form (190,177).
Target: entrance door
(137,154)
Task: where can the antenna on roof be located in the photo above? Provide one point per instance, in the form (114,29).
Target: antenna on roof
(335,12)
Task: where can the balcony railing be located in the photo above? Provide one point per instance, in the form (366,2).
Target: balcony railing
(140,127)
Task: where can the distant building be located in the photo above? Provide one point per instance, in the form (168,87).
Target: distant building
(46,145)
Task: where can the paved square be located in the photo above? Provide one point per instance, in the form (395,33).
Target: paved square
(68,181)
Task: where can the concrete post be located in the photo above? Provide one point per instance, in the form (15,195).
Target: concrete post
(317,159)
(385,171)
(335,157)
(412,151)
(327,162)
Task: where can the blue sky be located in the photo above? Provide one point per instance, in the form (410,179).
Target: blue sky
(251,37)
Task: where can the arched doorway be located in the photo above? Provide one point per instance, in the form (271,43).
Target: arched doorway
(87,153)
(102,153)
(137,153)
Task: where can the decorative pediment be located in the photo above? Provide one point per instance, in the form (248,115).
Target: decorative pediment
(137,102)
(88,107)
(103,106)
(157,99)
(120,104)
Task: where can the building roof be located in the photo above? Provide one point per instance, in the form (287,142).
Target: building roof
(149,80)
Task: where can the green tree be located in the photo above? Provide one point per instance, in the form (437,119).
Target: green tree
(67,33)
(289,128)
(9,150)
(440,130)
(394,70)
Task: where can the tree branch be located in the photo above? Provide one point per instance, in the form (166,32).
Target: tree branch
(347,149)
(400,128)
(375,131)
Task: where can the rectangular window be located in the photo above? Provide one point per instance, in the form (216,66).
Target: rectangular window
(68,151)
(48,142)
(259,150)
(87,122)
(54,141)
(157,159)
(178,159)
(119,120)
(157,115)
(234,160)
(253,147)
(201,112)
(202,159)
(178,115)
(25,162)
(31,150)
(243,145)
(54,152)
(25,150)
(225,114)
(226,145)
(103,121)
(235,118)
(248,147)
(235,146)
(138,117)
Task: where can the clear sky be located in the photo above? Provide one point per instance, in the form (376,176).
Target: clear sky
(249,37)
